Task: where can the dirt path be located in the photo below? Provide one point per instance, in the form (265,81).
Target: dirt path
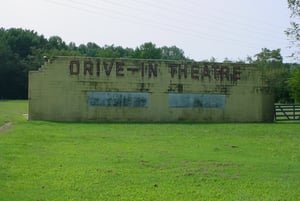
(5,126)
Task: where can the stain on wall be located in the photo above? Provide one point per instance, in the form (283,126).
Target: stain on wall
(117,99)
(197,100)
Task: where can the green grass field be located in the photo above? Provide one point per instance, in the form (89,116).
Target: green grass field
(42,160)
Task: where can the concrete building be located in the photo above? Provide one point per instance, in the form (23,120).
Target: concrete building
(98,89)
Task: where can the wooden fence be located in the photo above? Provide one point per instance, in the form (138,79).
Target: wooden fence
(287,112)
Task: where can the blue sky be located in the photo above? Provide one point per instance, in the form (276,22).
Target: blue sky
(231,29)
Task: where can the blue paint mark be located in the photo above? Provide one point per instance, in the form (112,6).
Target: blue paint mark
(117,99)
(196,100)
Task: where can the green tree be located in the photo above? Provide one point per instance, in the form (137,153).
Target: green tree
(275,72)
(91,49)
(227,60)
(269,56)
(115,52)
(294,84)
(172,53)
(293,32)
(23,50)
(148,51)
(19,51)
(213,60)
(56,42)
(7,63)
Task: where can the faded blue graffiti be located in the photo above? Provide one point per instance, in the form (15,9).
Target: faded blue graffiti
(117,99)
(196,100)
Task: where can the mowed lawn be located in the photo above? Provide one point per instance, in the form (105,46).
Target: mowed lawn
(42,160)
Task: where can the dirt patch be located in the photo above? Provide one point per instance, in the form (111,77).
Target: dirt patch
(211,169)
(5,126)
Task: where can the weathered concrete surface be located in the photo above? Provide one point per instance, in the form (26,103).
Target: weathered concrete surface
(97,89)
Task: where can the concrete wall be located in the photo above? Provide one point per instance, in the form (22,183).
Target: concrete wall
(97,89)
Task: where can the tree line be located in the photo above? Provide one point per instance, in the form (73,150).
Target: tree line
(23,50)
